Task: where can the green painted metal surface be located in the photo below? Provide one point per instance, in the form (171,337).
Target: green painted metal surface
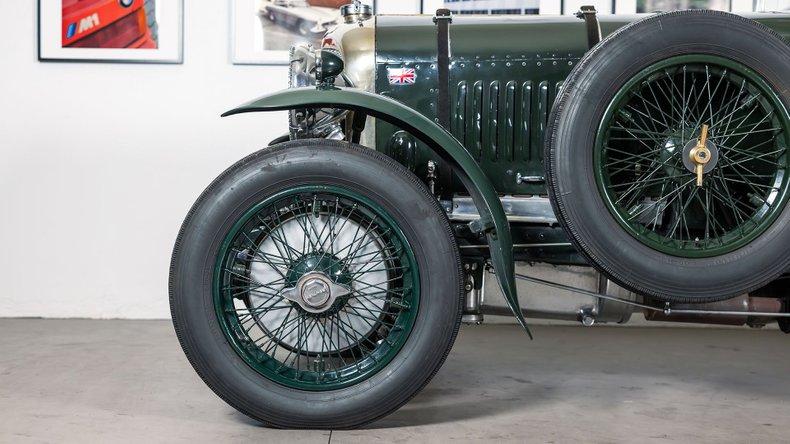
(432,135)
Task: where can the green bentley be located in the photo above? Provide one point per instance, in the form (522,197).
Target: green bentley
(434,161)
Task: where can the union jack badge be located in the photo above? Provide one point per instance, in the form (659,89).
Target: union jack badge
(401,76)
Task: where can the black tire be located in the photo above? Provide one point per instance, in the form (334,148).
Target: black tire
(573,125)
(282,167)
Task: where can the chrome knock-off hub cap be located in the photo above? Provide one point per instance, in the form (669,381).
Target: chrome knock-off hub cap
(315,292)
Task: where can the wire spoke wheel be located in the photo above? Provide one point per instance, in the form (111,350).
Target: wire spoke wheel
(644,156)
(316,288)
(316,284)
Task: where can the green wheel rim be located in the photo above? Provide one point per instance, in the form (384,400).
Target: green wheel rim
(646,134)
(348,239)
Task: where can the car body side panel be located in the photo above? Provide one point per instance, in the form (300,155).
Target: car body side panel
(505,74)
(432,135)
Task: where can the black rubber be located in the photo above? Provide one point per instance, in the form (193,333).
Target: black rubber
(274,169)
(569,156)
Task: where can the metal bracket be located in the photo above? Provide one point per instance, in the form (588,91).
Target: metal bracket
(588,14)
(443,14)
(443,18)
(482,225)
(529,179)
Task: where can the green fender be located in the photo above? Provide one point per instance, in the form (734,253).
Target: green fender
(433,135)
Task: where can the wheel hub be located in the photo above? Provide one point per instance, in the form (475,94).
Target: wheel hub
(699,153)
(315,292)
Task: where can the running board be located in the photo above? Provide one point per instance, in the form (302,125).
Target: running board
(532,209)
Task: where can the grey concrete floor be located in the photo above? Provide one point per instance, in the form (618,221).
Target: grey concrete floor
(127,381)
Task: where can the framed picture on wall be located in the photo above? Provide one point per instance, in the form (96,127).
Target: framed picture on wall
(516,7)
(263,31)
(139,31)
(643,6)
(484,7)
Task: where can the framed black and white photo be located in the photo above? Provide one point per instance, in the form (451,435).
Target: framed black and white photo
(264,30)
(516,7)
(142,31)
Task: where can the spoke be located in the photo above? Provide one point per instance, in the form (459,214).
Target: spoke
(649,115)
(643,181)
(377,286)
(695,107)
(733,204)
(727,133)
(734,102)
(307,234)
(709,105)
(642,131)
(371,322)
(636,155)
(332,346)
(682,212)
(671,97)
(729,202)
(283,247)
(350,340)
(668,120)
(710,218)
(273,336)
(262,307)
(769,187)
(658,135)
(748,133)
(758,157)
(635,196)
(674,192)
(746,103)
(253,288)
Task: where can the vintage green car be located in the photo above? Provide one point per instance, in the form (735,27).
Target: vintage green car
(321,281)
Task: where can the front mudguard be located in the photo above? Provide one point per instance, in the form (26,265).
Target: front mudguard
(492,215)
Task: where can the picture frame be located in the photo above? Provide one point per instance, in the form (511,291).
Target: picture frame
(482,7)
(111,31)
(515,7)
(262,31)
(567,7)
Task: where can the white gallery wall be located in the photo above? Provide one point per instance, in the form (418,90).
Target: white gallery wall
(99,163)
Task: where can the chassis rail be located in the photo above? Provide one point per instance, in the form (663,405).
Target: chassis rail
(667,310)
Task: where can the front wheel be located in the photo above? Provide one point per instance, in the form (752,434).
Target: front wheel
(316,284)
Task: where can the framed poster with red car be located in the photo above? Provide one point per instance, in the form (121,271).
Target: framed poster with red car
(142,31)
